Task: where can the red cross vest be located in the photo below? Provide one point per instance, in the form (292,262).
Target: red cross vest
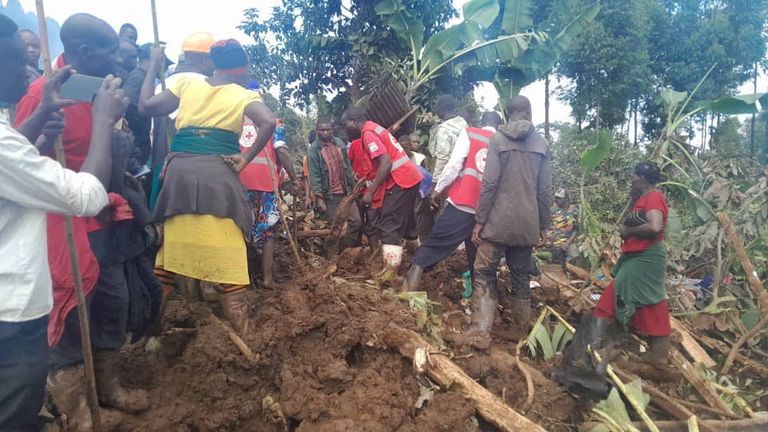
(362,165)
(255,176)
(404,172)
(465,190)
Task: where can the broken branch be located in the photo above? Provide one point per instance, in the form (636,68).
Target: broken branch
(446,373)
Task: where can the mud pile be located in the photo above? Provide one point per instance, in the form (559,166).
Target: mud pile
(321,365)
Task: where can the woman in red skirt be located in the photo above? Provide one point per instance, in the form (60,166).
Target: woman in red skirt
(637,297)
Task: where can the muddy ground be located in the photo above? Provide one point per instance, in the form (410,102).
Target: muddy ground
(322,366)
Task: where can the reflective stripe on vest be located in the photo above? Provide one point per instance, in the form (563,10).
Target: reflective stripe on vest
(478,137)
(400,162)
(379,129)
(472,172)
(260,160)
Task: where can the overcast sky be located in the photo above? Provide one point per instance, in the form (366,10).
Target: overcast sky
(179,18)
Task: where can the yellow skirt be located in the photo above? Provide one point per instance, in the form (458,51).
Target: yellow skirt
(204,247)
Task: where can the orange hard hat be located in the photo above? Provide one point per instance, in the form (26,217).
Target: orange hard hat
(198,42)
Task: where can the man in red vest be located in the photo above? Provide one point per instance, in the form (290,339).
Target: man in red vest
(462,177)
(396,174)
(261,177)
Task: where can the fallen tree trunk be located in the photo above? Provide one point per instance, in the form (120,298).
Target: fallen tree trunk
(661,400)
(313,233)
(758,424)
(446,373)
(702,386)
(741,253)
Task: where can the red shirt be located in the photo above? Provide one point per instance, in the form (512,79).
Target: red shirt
(76,139)
(651,201)
(77,131)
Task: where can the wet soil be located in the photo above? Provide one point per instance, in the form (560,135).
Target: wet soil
(321,362)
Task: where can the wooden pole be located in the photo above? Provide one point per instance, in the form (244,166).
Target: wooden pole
(157,42)
(448,374)
(82,307)
(746,264)
(276,186)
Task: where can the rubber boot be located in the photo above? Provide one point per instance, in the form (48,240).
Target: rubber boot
(236,309)
(268,264)
(519,316)
(413,279)
(374,243)
(578,371)
(393,257)
(106,364)
(69,392)
(658,347)
(483,311)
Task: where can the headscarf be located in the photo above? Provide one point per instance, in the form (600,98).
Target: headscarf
(648,171)
(229,56)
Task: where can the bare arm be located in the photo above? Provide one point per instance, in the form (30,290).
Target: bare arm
(265,122)
(48,110)
(151,105)
(284,156)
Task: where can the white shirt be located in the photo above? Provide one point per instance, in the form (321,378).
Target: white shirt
(30,186)
(455,165)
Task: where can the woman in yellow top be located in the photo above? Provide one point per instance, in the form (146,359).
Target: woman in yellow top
(202,202)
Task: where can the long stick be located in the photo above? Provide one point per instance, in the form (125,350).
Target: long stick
(276,186)
(157,42)
(82,308)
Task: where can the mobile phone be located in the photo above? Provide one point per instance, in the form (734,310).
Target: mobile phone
(81,87)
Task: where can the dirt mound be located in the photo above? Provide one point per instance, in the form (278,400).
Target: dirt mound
(321,364)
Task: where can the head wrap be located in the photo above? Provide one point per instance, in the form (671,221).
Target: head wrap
(229,56)
(560,193)
(649,171)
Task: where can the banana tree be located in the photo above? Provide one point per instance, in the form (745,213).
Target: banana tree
(515,56)
(463,43)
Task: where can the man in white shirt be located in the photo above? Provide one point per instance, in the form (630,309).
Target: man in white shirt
(31,186)
(463,174)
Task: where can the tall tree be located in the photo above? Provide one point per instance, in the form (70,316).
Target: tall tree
(310,47)
(608,64)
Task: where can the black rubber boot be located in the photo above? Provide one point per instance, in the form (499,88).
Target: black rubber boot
(413,279)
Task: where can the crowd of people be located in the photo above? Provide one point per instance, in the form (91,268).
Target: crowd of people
(174,177)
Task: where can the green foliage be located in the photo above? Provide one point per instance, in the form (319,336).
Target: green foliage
(635,48)
(608,64)
(612,412)
(312,47)
(548,338)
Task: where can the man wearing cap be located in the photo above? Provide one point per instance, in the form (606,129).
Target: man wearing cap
(140,126)
(563,229)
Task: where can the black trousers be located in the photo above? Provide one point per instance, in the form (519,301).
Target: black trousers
(108,308)
(397,219)
(452,227)
(23,371)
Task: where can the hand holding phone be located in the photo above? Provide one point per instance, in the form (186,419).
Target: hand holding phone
(80,87)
